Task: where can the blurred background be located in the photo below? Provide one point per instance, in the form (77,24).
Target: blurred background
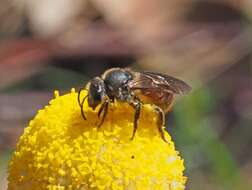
(47,45)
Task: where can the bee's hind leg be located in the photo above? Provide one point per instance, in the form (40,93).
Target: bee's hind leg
(160,122)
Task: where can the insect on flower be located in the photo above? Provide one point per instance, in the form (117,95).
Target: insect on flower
(135,88)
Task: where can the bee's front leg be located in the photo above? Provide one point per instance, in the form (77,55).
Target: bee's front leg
(104,109)
(136,104)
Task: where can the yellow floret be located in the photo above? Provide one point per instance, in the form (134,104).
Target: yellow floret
(59,150)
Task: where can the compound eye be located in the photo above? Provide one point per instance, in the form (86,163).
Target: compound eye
(96,92)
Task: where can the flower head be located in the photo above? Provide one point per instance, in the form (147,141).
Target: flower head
(60,150)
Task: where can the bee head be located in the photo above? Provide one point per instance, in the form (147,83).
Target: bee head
(96,92)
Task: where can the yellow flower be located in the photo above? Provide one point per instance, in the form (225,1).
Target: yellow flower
(59,150)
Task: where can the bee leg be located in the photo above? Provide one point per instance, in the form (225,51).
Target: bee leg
(101,109)
(104,109)
(160,122)
(137,106)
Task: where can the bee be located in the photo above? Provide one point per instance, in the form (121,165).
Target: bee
(135,88)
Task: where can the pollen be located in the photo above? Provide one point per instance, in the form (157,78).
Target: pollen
(59,150)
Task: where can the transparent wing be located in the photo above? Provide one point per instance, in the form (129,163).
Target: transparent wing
(159,82)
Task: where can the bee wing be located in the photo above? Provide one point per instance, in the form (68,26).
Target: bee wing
(159,82)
